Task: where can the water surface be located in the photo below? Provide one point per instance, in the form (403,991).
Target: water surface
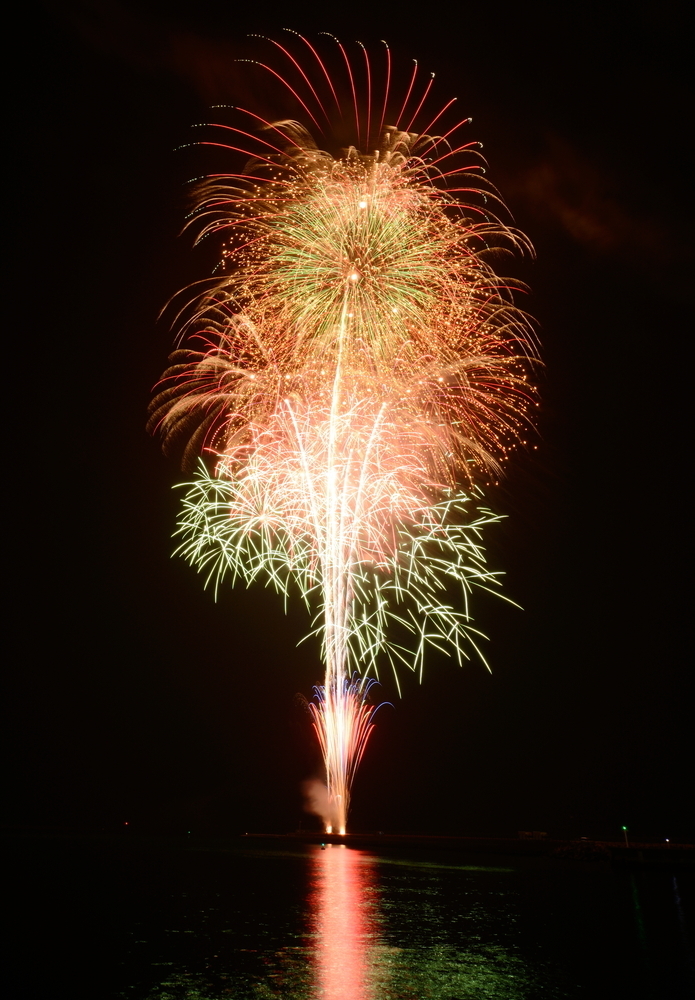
(252,923)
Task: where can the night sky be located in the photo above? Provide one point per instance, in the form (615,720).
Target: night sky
(132,696)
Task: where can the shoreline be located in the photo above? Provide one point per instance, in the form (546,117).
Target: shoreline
(640,854)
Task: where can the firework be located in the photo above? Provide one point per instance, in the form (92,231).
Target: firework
(352,374)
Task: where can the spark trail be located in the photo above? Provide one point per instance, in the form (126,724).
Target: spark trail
(359,368)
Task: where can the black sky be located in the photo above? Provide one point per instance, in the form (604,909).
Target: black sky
(131,695)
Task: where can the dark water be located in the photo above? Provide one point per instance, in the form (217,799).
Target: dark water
(151,923)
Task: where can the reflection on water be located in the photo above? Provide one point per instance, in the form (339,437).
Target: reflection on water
(344,912)
(370,929)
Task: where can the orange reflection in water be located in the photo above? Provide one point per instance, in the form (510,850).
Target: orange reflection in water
(346,925)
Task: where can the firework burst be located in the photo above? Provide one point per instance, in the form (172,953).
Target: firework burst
(355,360)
